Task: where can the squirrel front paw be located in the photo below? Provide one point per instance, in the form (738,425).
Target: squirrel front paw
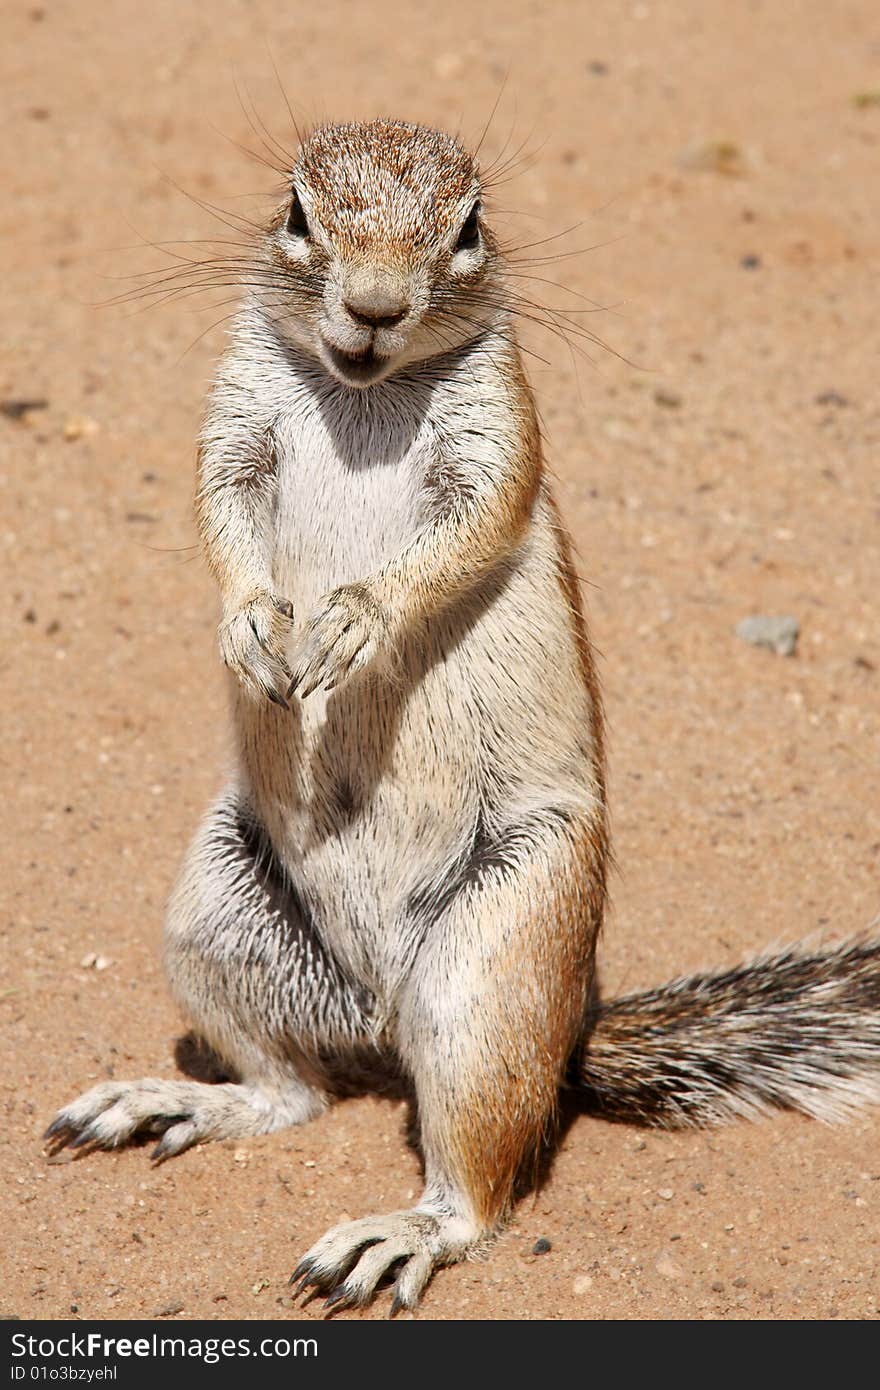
(253,643)
(347,631)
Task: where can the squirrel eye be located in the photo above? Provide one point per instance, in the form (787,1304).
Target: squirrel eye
(469,236)
(297,224)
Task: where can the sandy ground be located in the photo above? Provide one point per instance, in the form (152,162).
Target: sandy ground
(723,158)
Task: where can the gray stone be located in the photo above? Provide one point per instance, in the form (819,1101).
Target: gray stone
(779,635)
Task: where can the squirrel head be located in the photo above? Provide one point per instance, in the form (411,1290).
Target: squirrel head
(380,255)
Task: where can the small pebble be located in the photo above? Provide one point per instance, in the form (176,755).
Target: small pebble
(582,1284)
(714,156)
(777,634)
(666,1193)
(750,262)
(541,1246)
(79,427)
(670,399)
(93,961)
(170,1309)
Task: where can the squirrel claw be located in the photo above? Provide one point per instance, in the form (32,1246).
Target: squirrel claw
(83,1143)
(336,1300)
(58,1133)
(302,1276)
(253,642)
(344,635)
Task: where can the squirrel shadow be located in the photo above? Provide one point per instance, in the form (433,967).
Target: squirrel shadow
(367,1073)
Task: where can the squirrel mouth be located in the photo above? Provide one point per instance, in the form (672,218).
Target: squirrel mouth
(357,367)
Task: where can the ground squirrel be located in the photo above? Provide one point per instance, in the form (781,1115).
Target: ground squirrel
(409,865)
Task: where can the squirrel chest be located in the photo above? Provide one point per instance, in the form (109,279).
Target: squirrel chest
(351,484)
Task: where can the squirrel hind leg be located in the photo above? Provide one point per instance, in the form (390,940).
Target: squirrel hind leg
(247,964)
(266,1002)
(183,1113)
(487,1021)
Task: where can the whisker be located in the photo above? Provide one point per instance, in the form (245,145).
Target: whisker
(280,158)
(222,214)
(560,255)
(492,114)
(293,121)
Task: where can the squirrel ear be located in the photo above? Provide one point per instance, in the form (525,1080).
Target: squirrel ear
(469,236)
(297,223)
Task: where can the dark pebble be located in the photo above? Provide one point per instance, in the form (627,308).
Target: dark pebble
(541,1246)
(751,262)
(15,409)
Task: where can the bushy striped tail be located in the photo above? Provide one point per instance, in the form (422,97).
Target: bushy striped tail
(794,1030)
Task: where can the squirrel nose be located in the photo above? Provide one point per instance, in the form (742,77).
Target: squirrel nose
(376,311)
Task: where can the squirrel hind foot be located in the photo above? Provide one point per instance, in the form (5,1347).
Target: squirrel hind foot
(115,1113)
(353,1260)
